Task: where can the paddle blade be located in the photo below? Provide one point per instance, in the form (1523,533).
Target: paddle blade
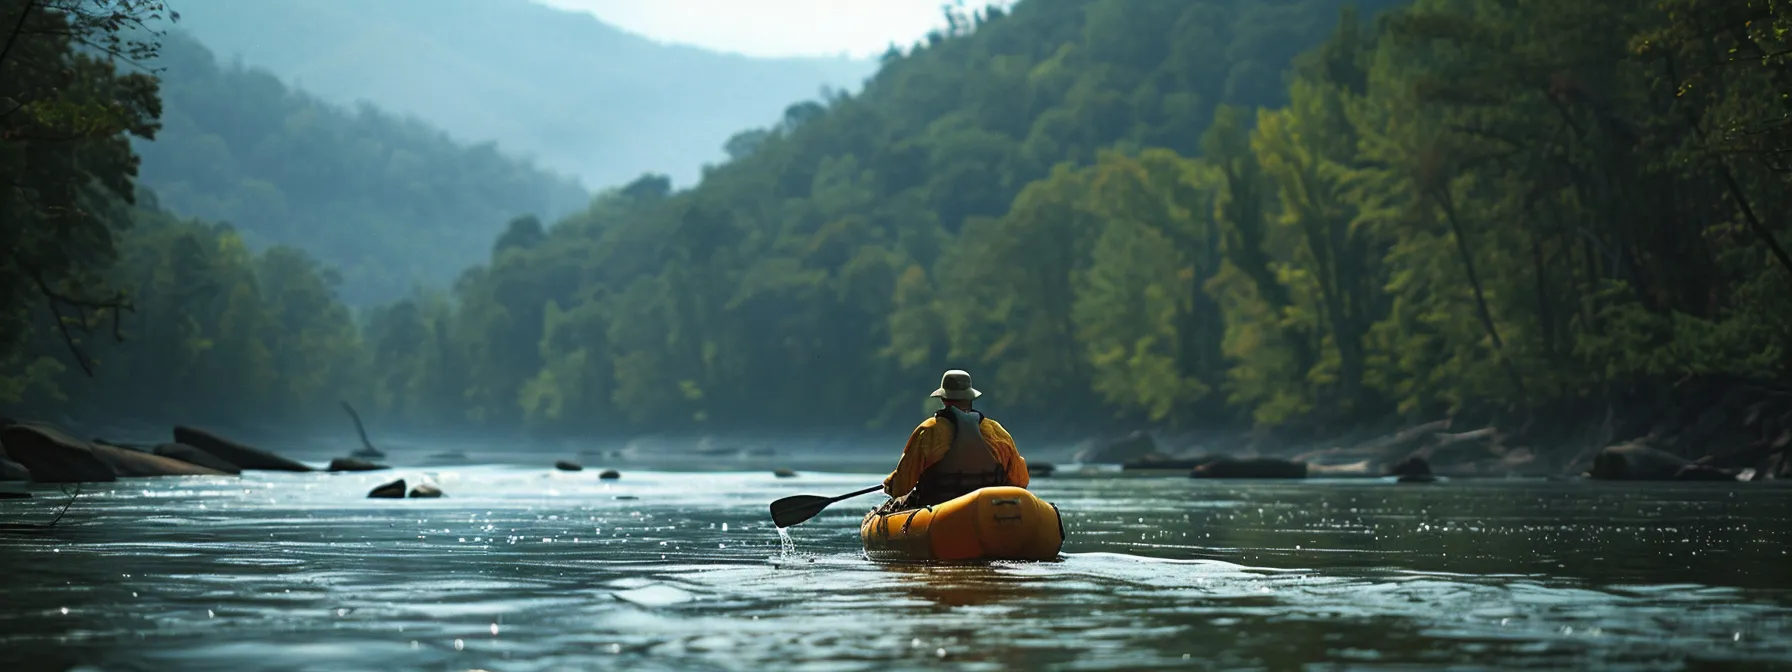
(794,510)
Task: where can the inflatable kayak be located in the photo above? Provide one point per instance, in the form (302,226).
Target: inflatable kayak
(1002,523)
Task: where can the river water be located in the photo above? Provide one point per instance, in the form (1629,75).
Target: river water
(527,569)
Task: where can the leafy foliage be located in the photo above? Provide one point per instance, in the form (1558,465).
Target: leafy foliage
(1098,208)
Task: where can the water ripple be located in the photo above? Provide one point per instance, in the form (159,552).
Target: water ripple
(518,569)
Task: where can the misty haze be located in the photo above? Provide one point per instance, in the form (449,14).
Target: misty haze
(1020,334)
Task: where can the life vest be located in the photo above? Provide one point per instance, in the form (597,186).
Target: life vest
(968,465)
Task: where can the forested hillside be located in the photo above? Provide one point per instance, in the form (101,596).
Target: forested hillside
(1114,211)
(846,256)
(1471,207)
(574,94)
(391,202)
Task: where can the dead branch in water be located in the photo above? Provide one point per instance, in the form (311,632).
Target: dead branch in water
(40,527)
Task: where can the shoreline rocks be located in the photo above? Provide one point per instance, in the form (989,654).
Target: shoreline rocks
(245,457)
(53,456)
(133,463)
(1254,467)
(341,464)
(191,455)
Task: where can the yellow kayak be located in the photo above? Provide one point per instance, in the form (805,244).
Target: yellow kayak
(1002,523)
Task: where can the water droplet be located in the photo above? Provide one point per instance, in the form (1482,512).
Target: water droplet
(940,652)
(724,527)
(209,614)
(615,648)
(414,645)
(65,611)
(494,629)
(459,645)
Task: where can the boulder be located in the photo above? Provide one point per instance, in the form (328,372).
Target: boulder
(1411,466)
(140,447)
(1136,445)
(568,465)
(352,464)
(1257,467)
(393,490)
(136,463)
(191,455)
(784,473)
(1412,470)
(426,490)
(53,456)
(610,475)
(245,457)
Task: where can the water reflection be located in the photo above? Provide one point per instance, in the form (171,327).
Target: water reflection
(967,585)
(517,570)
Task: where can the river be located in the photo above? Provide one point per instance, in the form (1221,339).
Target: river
(531,569)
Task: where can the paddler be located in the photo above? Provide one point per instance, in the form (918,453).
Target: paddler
(956,451)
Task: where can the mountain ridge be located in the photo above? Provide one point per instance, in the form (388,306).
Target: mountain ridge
(460,65)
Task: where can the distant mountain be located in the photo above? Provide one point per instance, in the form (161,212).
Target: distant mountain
(577,95)
(391,203)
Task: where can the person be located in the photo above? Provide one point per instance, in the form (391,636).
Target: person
(956,451)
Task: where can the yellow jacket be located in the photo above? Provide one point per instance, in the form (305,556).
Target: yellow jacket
(926,446)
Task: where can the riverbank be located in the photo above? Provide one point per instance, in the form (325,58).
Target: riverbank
(1711,428)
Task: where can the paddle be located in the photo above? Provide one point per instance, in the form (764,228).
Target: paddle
(794,510)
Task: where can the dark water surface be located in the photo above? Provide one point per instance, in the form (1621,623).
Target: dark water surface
(527,569)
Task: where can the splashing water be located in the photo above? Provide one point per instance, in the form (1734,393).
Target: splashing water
(786,545)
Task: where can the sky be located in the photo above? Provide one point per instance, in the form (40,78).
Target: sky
(773,28)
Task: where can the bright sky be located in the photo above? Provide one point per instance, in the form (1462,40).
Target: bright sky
(862,28)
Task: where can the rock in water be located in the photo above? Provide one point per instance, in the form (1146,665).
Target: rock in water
(1260,467)
(784,473)
(191,455)
(352,464)
(393,490)
(610,475)
(140,447)
(246,457)
(53,456)
(1041,469)
(568,465)
(127,462)
(1413,469)
(426,490)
